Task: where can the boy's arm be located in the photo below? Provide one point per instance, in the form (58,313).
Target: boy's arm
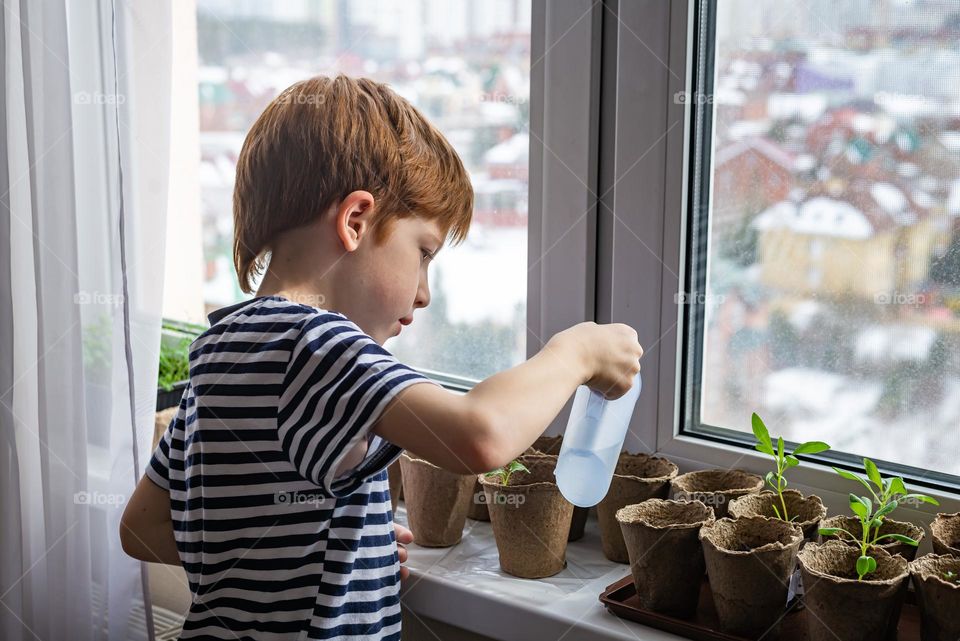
(146,530)
(495,421)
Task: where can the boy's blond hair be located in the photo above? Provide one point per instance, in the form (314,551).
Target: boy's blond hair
(323,138)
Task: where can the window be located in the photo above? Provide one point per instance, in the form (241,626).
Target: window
(466,65)
(827,158)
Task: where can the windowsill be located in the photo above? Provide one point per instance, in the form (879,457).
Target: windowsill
(464,586)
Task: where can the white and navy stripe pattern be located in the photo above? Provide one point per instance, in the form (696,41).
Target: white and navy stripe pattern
(274,544)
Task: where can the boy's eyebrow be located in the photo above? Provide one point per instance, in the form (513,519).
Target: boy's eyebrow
(438,240)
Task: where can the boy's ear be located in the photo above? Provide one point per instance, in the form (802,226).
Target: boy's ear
(354,218)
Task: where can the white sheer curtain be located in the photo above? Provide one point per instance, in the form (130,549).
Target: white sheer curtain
(84,126)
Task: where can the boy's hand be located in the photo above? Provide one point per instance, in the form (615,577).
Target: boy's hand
(610,354)
(403,536)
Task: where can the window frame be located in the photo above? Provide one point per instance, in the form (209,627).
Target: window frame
(665,222)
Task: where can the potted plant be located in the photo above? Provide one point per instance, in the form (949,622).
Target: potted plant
(551,445)
(945,531)
(781,503)
(395,480)
(174,366)
(666,559)
(715,488)
(437,501)
(530,518)
(749,564)
(636,478)
(936,578)
(846,600)
(478,504)
(869,526)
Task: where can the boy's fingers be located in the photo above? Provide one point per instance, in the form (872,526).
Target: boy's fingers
(403,534)
(404,573)
(402,553)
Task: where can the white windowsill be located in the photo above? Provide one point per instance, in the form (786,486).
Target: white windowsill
(464,586)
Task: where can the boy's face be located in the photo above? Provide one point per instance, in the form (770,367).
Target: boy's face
(380,285)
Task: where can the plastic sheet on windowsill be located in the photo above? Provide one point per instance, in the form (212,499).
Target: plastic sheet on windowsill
(474,564)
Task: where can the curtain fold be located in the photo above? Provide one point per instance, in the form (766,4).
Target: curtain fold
(84,166)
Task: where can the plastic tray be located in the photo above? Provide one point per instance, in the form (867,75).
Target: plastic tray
(620,598)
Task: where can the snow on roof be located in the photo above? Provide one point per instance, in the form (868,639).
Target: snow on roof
(820,216)
(950,140)
(804,162)
(803,314)
(894,343)
(729,96)
(809,107)
(511,151)
(767,149)
(908,169)
(889,197)
(906,105)
(747,129)
(923,198)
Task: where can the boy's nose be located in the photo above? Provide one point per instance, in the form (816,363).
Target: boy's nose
(423,296)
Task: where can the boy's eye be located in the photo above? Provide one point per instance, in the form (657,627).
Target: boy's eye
(425,255)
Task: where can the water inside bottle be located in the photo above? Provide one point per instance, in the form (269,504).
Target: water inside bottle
(583,476)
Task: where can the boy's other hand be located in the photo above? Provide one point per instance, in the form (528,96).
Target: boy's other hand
(610,352)
(403,536)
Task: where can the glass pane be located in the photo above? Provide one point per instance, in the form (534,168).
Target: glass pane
(833,282)
(466,66)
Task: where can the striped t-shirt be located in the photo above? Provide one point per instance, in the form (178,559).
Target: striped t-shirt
(275,545)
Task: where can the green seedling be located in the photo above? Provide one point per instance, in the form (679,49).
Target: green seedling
(507,471)
(951,576)
(871,511)
(174,364)
(784,461)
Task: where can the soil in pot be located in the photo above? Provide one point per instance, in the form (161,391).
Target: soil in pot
(715,488)
(551,445)
(437,501)
(805,511)
(936,578)
(749,563)
(395,479)
(530,519)
(945,531)
(852,524)
(666,557)
(636,478)
(843,607)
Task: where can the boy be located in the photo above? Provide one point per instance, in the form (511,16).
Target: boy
(270,484)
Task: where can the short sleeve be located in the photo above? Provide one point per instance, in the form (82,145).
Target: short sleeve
(337,384)
(158,469)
